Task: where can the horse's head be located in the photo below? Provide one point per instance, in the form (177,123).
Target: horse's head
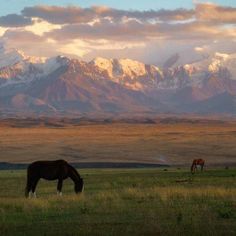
(79,186)
(193,166)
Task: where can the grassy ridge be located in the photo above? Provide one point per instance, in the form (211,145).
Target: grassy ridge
(123,201)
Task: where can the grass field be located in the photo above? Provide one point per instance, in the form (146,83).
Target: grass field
(123,202)
(172,144)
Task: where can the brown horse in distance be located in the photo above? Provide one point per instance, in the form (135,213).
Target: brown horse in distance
(52,170)
(197,162)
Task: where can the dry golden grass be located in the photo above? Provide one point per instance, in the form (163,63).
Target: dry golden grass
(153,143)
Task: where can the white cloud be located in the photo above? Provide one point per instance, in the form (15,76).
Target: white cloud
(2,31)
(41,27)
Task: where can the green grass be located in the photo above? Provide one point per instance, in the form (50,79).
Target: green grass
(123,202)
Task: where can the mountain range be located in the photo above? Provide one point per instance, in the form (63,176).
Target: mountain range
(61,85)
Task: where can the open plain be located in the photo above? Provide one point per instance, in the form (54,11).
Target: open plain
(176,143)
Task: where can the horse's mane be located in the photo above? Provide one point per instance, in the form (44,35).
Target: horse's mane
(74,173)
(193,164)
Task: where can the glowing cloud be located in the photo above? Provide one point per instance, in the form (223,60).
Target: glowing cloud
(100,30)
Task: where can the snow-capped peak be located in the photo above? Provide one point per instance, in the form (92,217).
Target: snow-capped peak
(212,63)
(12,56)
(123,67)
(132,68)
(9,57)
(104,64)
(221,56)
(51,64)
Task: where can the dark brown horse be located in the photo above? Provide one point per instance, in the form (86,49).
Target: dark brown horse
(52,170)
(197,162)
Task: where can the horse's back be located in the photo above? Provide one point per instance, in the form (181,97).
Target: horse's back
(198,161)
(48,169)
(47,163)
(201,161)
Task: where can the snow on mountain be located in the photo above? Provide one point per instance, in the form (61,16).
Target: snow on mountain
(28,69)
(9,57)
(14,64)
(229,61)
(214,63)
(104,64)
(138,76)
(51,64)
(132,68)
(123,67)
(132,74)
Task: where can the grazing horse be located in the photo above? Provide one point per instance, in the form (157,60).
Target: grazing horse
(52,170)
(197,162)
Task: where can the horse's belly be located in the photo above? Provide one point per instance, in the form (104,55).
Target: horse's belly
(49,175)
(52,176)
(49,178)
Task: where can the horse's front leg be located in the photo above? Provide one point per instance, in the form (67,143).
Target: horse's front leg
(59,187)
(34,187)
(28,189)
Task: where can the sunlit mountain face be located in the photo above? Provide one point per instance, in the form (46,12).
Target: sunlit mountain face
(76,60)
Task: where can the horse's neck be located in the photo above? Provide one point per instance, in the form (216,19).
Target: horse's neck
(73,174)
(193,165)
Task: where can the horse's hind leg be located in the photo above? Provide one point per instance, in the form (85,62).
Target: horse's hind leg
(202,167)
(59,187)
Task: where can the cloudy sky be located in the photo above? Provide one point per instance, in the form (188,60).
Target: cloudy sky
(149,31)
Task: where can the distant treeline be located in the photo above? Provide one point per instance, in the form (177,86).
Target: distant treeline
(57,122)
